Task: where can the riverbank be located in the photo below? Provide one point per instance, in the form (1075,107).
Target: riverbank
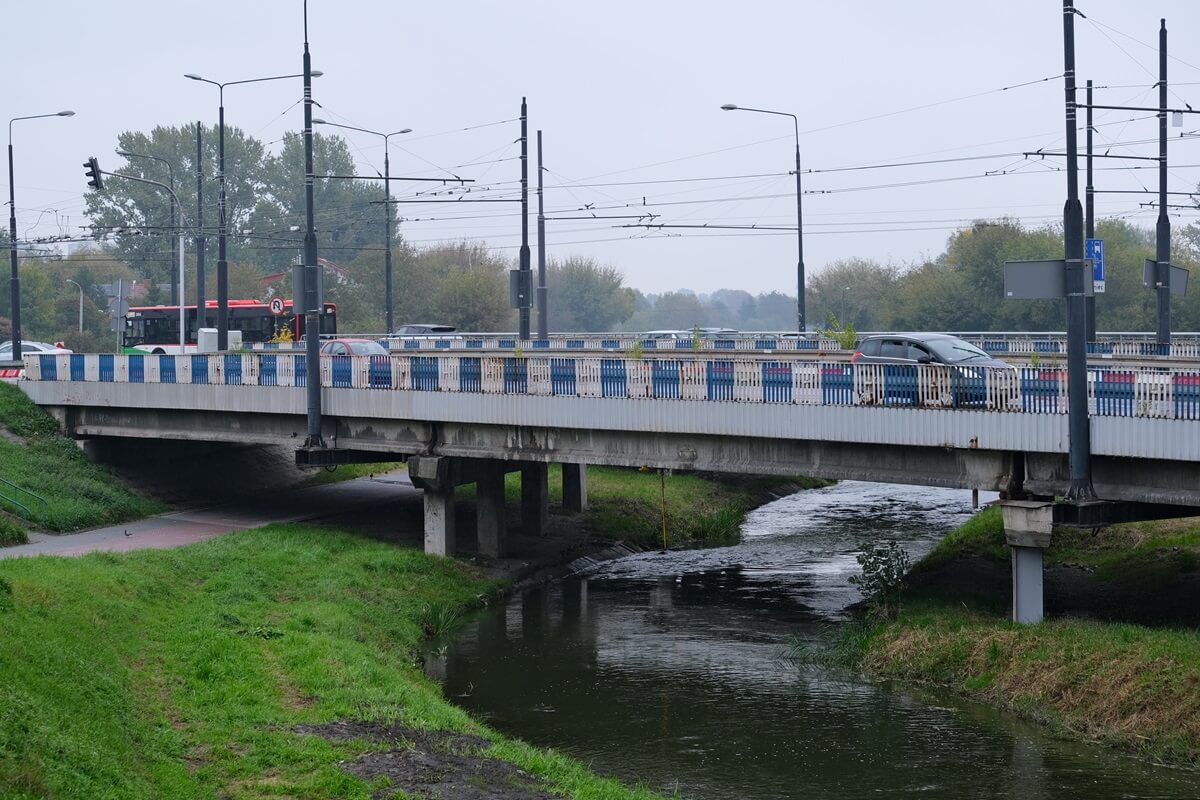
(236,667)
(48,483)
(1117,661)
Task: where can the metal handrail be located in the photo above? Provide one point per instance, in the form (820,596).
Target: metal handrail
(28,511)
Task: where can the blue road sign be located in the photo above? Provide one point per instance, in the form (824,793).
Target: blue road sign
(1093,250)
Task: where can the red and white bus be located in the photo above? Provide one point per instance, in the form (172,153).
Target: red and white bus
(155,329)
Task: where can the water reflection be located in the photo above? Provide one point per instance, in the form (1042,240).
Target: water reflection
(665,668)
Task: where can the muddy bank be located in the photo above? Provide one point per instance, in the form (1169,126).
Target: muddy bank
(435,765)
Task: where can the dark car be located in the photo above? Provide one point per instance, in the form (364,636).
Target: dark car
(424,329)
(973,377)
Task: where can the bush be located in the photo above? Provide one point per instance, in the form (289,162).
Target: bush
(883,569)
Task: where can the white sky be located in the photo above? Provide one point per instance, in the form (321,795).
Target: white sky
(625,92)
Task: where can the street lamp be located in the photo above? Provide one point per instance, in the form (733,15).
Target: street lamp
(175,301)
(799,218)
(183,220)
(80,288)
(12,235)
(222,264)
(387,207)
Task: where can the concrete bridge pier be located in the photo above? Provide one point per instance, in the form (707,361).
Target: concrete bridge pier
(439,521)
(1027,528)
(489,509)
(574,487)
(535,499)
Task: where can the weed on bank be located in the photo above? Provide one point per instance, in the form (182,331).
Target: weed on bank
(186,673)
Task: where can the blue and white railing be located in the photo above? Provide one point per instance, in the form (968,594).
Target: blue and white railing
(999,344)
(1131,392)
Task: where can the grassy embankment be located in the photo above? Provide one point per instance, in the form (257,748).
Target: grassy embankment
(34,456)
(184,673)
(1133,686)
(703,510)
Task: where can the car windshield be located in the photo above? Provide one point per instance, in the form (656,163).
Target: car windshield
(951,351)
(366,349)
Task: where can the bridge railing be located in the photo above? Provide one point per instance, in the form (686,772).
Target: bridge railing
(1000,344)
(1116,391)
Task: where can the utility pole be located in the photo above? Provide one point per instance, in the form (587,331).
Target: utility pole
(201,307)
(1162,250)
(312,301)
(1090,216)
(1079,455)
(525,277)
(543,320)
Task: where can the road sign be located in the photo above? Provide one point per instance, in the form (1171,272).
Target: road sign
(276,305)
(1093,250)
(1179,277)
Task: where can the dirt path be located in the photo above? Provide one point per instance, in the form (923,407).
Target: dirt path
(330,502)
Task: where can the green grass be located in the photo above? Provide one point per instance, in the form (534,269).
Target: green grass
(1125,685)
(348,472)
(1131,686)
(182,673)
(76,493)
(982,536)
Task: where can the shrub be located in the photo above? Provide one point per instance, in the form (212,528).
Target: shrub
(883,570)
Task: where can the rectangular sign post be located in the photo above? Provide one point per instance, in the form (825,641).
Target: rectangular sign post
(1093,251)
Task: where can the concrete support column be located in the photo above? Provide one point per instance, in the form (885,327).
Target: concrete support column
(489,509)
(439,521)
(535,499)
(574,483)
(1027,527)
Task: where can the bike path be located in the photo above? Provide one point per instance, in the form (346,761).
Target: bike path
(178,528)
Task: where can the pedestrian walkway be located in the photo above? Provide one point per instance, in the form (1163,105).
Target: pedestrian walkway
(179,528)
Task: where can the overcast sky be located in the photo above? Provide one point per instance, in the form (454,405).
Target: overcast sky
(628,97)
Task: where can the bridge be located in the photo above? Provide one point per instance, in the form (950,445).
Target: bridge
(461,419)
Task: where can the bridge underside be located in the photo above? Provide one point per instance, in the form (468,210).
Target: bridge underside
(1045,474)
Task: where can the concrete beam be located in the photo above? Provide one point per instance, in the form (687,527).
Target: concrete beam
(574,487)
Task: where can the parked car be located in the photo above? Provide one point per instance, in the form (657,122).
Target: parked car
(28,348)
(352,347)
(966,382)
(424,329)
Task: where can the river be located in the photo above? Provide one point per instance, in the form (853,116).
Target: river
(666,670)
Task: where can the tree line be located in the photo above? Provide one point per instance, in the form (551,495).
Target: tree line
(466,284)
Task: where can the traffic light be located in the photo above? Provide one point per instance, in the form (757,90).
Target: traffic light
(92,170)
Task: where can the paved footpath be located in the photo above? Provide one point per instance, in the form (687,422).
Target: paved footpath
(178,528)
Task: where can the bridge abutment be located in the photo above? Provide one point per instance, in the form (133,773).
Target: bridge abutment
(1027,528)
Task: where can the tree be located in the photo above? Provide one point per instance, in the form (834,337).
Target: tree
(133,217)
(584,296)
(348,214)
(856,291)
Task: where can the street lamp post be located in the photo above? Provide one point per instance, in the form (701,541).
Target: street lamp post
(387,206)
(175,301)
(183,220)
(222,263)
(12,234)
(799,217)
(80,288)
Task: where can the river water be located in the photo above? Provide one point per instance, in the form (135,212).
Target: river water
(666,670)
